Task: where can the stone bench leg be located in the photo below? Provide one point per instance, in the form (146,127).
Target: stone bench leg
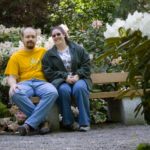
(127,111)
(123,111)
(53,118)
(114,110)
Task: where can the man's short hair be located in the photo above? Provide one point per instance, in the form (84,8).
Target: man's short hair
(23,29)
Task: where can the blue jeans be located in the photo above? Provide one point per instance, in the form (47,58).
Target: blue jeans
(81,94)
(36,113)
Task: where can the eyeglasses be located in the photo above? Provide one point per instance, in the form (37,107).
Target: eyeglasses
(57,34)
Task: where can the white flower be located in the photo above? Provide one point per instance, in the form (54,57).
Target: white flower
(65,28)
(116,61)
(133,22)
(21,45)
(137,21)
(112,31)
(4,81)
(4,30)
(49,44)
(40,40)
(38,31)
(145,26)
(13,49)
(91,56)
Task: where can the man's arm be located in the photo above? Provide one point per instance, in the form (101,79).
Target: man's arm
(12,82)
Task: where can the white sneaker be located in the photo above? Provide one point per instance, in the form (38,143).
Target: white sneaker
(84,128)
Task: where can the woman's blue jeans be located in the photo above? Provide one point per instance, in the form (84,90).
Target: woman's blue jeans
(36,113)
(81,94)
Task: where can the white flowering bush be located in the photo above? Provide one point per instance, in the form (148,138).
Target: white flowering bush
(8,33)
(136,22)
(129,40)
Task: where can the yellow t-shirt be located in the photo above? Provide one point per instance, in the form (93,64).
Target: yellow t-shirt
(26,65)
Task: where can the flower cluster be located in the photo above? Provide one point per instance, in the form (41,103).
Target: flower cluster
(7,48)
(97,24)
(136,21)
(4,30)
(116,61)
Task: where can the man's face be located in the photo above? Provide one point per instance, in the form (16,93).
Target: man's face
(29,38)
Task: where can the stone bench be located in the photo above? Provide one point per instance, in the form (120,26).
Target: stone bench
(120,109)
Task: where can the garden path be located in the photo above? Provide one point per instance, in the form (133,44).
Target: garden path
(104,137)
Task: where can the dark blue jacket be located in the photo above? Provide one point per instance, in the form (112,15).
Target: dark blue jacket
(55,71)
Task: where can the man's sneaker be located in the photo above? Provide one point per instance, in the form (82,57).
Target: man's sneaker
(24,129)
(84,128)
(45,128)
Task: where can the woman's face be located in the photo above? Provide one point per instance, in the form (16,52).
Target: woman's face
(58,37)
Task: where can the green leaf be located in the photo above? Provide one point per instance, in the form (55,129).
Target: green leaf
(126,44)
(145,45)
(103,56)
(113,41)
(122,32)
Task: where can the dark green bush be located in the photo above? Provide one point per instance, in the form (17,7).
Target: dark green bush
(143,146)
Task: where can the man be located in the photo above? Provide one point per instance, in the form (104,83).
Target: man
(26,79)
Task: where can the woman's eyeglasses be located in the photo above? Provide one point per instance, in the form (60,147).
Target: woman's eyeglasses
(57,34)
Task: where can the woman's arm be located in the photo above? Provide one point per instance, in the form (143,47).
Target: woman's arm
(49,70)
(84,68)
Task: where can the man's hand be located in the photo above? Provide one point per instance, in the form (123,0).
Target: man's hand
(12,89)
(12,82)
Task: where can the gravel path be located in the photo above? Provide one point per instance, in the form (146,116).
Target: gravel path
(105,137)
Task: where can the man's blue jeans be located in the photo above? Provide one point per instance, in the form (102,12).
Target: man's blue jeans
(81,93)
(36,113)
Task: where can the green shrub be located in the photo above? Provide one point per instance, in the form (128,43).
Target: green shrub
(4,112)
(98,111)
(143,146)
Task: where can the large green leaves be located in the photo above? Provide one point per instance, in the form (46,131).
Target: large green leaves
(135,52)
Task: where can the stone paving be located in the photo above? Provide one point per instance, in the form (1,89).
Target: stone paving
(104,137)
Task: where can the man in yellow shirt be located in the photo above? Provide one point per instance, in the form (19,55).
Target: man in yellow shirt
(26,79)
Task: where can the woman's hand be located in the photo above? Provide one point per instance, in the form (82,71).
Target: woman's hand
(71,79)
(75,78)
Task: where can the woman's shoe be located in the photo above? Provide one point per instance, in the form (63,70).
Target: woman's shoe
(72,127)
(84,128)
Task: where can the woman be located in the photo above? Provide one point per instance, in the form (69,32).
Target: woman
(67,66)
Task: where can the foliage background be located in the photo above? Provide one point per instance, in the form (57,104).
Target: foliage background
(77,14)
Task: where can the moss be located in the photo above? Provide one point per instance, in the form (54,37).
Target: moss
(143,146)
(4,111)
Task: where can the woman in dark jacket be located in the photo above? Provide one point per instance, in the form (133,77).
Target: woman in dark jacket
(67,66)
